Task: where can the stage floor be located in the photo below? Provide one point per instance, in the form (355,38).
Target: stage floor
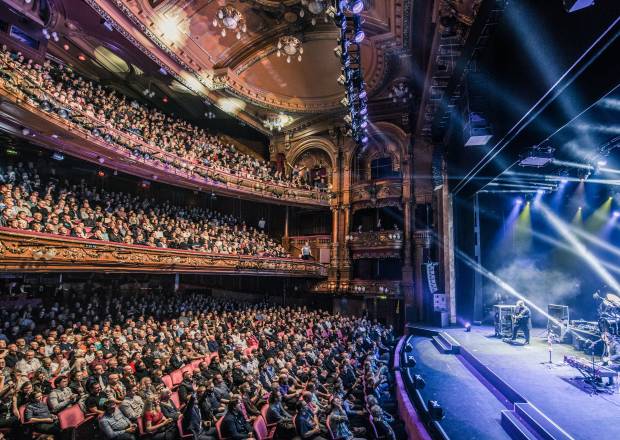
(552,390)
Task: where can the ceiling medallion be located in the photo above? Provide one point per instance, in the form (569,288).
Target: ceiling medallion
(400,92)
(277,122)
(291,46)
(316,8)
(229,18)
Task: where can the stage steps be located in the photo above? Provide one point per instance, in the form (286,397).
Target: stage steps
(514,427)
(544,427)
(446,343)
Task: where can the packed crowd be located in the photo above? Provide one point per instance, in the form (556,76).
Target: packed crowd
(29,202)
(57,88)
(240,369)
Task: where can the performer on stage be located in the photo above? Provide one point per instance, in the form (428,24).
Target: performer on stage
(522,321)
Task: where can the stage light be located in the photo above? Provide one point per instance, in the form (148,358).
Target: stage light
(467,327)
(616,214)
(55,36)
(65,46)
(58,156)
(81,57)
(46,34)
(601,163)
(518,201)
(108,25)
(101,173)
(435,410)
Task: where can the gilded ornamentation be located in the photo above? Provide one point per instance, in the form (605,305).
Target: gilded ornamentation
(19,250)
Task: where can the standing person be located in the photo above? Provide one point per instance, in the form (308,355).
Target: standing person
(262,224)
(306,252)
(523,321)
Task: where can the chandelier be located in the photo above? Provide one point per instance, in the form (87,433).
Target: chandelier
(315,7)
(277,122)
(400,92)
(229,18)
(291,46)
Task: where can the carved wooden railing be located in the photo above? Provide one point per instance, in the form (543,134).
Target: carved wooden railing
(387,288)
(376,244)
(22,251)
(72,138)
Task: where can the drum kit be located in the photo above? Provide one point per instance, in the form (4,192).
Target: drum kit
(609,313)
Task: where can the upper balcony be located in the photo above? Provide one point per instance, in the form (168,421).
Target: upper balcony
(19,112)
(22,251)
(375,244)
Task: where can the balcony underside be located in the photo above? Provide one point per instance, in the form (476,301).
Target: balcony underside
(34,252)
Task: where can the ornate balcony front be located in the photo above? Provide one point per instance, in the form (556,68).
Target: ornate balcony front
(34,252)
(56,133)
(380,244)
(377,194)
(383,288)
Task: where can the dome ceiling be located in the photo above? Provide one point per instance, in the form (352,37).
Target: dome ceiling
(183,36)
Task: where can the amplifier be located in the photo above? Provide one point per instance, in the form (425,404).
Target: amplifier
(559,325)
(502,316)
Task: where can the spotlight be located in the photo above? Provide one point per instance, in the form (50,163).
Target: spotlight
(81,57)
(46,34)
(616,214)
(418,382)
(25,131)
(108,25)
(435,410)
(100,159)
(55,36)
(467,327)
(518,201)
(163,71)
(58,156)
(101,173)
(601,163)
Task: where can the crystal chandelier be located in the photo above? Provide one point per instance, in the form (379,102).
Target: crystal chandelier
(315,7)
(229,18)
(291,46)
(400,92)
(277,122)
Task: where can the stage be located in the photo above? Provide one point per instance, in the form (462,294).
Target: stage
(475,394)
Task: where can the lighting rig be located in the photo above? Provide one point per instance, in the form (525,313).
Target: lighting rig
(347,17)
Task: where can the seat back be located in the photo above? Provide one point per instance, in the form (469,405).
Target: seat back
(182,432)
(167,380)
(371,422)
(218,428)
(176,376)
(196,364)
(329,428)
(22,410)
(260,428)
(140,423)
(70,417)
(175,399)
(263,412)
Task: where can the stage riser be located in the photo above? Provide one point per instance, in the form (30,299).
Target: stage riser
(540,424)
(514,428)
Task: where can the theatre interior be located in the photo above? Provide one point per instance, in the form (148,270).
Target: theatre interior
(310,219)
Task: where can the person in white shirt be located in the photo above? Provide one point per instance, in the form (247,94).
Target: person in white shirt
(29,364)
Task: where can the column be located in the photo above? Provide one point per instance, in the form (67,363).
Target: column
(407,284)
(285,239)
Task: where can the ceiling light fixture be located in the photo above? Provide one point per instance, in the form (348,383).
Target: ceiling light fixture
(229,18)
(291,46)
(277,122)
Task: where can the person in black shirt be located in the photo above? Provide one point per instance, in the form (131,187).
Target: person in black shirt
(186,388)
(234,425)
(522,321)
(95,402)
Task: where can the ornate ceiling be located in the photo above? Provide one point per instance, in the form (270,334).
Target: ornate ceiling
(244,76)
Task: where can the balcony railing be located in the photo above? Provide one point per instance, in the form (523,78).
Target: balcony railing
(72,138)
(384,192)
(377,244)
(385,288)
(22,251)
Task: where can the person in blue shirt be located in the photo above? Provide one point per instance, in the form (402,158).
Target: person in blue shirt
(339,422)
(307,425)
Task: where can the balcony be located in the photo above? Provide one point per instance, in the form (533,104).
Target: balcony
(22,251)
(384,288)
(377,194)
(56,133)
(381,244)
